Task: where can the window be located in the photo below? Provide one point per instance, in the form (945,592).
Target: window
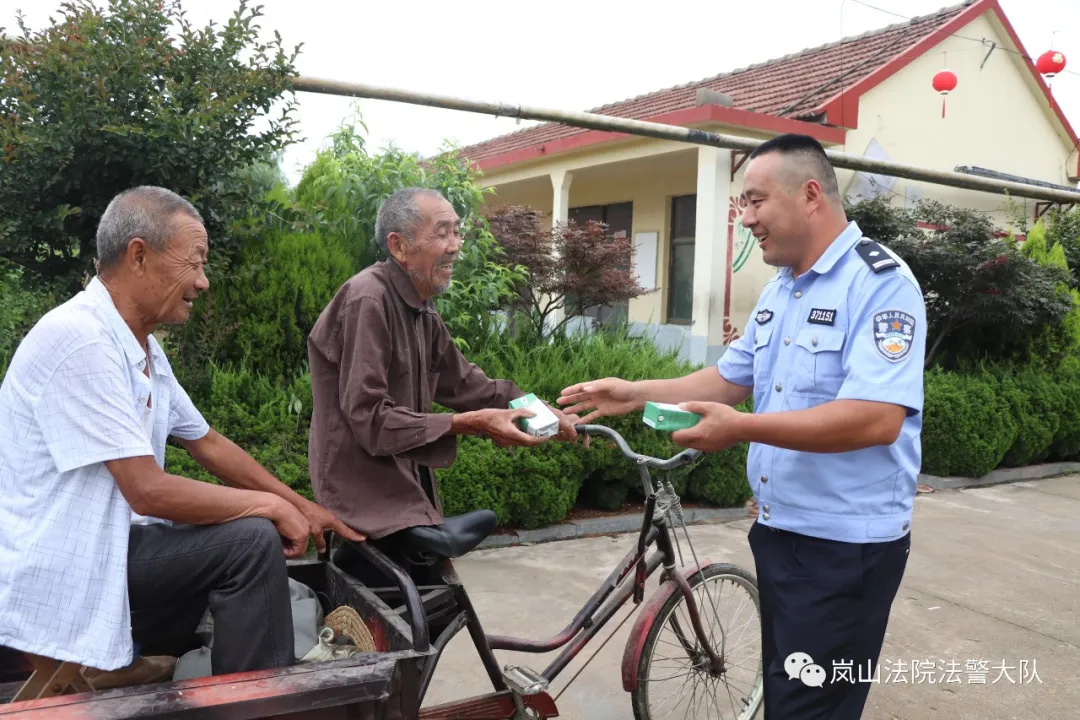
(681,260)
(619,219)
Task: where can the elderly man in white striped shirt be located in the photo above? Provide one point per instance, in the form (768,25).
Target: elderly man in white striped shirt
(100,548)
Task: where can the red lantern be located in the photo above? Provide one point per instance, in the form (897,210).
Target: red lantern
(1050,63)
(944,83)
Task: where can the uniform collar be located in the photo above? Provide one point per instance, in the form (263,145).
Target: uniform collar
(404,287)
(836,250)
(101,298)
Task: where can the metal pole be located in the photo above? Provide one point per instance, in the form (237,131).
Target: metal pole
(660,131)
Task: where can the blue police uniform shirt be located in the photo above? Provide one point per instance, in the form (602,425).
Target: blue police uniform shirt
(840,331)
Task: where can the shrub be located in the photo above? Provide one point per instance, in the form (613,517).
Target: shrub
(340,193)
(1054,341)
(23,300)
(986,300)
(606,479)
(300,247)
(101,100)
(1032,399)
(263,313)
(967,427)
(1066,442)
(477,479)
(1063,229)
(267,420)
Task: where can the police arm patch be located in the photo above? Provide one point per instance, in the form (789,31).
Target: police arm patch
(894,334)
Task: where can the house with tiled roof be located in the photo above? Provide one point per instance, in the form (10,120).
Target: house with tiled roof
(867,95)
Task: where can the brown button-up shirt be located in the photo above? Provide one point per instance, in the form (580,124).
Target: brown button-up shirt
(379,357)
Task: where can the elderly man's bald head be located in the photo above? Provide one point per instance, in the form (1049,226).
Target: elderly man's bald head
(803,159)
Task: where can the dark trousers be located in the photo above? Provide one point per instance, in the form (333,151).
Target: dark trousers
(236,569)
(829,601)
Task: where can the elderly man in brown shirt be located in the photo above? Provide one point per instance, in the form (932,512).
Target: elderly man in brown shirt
(380,355)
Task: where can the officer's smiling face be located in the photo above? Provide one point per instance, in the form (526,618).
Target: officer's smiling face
(776,211)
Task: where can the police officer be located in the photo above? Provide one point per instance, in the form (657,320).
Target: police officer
(833,353)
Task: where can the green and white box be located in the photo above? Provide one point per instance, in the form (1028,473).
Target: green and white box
(543,423)
(665,416)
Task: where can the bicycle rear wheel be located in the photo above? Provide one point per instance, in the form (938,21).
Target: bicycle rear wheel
(674,678)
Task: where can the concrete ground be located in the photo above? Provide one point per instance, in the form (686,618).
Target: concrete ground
(993,578)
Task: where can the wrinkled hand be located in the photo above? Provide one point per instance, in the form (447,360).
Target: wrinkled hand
(500,426)
(567,431)
(604,398)
(319,520)
(717,430)
(291,525)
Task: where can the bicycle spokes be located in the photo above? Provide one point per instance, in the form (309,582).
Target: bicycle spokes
(678,677)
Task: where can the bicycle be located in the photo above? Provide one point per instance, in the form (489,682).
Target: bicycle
(520,692)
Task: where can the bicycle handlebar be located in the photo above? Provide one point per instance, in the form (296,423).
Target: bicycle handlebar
(685,457)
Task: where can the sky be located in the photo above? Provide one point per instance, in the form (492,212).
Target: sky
(564,54)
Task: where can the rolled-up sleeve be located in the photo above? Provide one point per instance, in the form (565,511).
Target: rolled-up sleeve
(379,425)
(85,411)
(884,355)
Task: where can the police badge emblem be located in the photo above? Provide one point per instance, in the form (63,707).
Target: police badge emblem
(894,334)
(764,316)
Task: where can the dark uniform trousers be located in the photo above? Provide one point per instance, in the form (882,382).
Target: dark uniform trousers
(831,601)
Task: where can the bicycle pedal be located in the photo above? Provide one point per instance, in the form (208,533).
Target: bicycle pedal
(524,681)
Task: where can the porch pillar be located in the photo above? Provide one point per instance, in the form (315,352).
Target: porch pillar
(711,253)
(560,212)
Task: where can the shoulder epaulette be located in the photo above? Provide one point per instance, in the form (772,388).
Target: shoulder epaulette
(875,256)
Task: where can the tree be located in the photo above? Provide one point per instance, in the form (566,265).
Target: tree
(984,298)
(1056,342)
(879,220)
(300,246)
(571,267)
(103,100)
(340,194)
(1063,230)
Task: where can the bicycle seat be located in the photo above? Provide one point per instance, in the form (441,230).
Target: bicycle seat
(455,537)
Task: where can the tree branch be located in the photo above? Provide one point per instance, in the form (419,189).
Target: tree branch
(932,354)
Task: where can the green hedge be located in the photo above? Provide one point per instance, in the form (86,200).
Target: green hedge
(967,426)
(607,479)
(1000,417)
(527,488)
(24,298)
(269,421)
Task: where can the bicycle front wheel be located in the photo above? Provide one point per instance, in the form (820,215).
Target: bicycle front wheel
(675,678)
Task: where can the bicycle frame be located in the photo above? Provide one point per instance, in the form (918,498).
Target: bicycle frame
(612,595)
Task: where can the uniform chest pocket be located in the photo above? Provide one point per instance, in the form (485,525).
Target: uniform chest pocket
(818,368)
(761,354)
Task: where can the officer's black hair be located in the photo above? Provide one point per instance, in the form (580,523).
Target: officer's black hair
(811,155)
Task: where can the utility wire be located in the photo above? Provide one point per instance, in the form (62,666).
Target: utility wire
(981,41)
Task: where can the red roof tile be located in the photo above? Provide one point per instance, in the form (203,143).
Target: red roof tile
(795,86)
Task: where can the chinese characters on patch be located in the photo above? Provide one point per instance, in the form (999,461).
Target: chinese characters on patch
(800,666)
